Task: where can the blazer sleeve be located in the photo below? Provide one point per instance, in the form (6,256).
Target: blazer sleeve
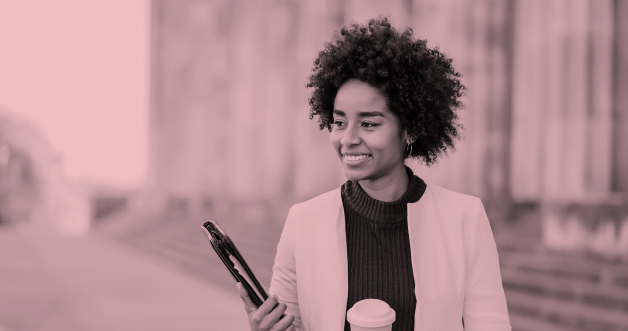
(284,279)
(485,306)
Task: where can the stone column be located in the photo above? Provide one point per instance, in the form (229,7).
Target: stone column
(281,85)
(246,99)
(498,117)
(620,98)
(317,166)
(553,130)
(566,128)
(600,149)
(153,197)
(362,10)
(528,100)
(575,117)
(453,26)
(189,103)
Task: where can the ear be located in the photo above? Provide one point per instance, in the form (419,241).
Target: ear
(409,140)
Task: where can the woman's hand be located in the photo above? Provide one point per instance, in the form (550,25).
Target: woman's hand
(266,318)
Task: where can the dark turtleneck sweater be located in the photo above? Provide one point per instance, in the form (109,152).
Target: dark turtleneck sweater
(378,249)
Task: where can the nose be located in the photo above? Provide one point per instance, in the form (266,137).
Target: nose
(350,137)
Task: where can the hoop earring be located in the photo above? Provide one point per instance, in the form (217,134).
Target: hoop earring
(410,153)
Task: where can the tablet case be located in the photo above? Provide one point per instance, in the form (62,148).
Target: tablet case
(228,253)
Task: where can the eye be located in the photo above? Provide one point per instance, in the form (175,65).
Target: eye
(369,124)
(339,124)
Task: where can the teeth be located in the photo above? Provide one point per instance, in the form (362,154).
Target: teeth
(355,157)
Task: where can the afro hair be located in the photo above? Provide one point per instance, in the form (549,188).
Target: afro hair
(420,85)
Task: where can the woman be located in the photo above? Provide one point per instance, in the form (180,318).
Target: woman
(426,251)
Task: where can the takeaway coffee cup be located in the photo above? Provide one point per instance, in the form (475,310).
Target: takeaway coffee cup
(371,315)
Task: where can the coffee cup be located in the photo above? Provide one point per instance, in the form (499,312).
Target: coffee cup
(371,315)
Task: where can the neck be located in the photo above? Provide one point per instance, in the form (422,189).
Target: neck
(387,188)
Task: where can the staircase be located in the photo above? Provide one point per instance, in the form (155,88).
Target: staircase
(560,291)
(179,242)
(545,290)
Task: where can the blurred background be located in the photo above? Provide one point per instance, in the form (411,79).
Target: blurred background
(125,125)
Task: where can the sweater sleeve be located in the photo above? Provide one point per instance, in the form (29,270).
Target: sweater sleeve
(485,302)
(284,280)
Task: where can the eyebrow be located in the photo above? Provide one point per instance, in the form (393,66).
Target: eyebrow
(361,114)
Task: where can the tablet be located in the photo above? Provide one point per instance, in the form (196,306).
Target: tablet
(235,263)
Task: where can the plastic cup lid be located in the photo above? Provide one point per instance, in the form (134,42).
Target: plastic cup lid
(371,313)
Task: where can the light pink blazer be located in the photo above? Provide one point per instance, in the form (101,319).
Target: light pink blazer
(454,260)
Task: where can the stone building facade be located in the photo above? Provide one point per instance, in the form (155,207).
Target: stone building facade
(546,122)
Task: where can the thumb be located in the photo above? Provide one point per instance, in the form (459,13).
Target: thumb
(249,306)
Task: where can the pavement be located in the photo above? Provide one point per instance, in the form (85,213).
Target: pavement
(90,283)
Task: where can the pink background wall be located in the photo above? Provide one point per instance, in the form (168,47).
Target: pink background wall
(79,71)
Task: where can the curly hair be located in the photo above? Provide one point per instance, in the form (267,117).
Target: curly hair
(420,85)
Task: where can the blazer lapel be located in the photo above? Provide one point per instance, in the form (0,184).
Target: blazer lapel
(341,295)
(432,241)
(416,212)
(328,267)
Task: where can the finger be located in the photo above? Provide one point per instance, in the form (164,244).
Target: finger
(285,323)
(273,317)
(260,315)
(267,306)
(249,306)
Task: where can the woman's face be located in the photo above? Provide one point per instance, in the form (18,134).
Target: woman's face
(366,134)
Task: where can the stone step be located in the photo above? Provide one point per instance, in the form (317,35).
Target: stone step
(526,323)
(512,241)
(258,236)
(192,255)
(567,266)
(508,241)
(570,315)
(198,244)
(184,235)
(595,295)
(209,269)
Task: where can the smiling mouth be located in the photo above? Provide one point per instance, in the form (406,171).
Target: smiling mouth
(355,158)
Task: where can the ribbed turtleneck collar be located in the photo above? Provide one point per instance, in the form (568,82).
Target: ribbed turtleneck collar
(382,211)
